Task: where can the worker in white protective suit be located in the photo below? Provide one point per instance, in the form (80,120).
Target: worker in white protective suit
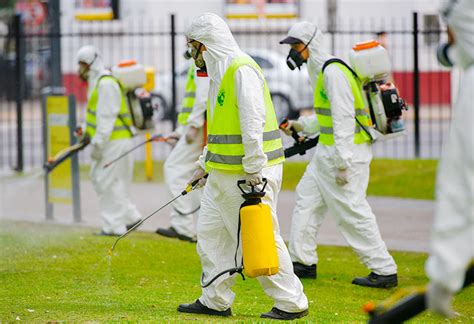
(243,143)
(336,178)
(452,240)
(180,164)
(109,125)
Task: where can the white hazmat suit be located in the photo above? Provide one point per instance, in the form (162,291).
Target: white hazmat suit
(317,191)
(452,241)
(180,165)
(219,215)
(112,183)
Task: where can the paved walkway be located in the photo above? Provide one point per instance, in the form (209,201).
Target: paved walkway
(405,223)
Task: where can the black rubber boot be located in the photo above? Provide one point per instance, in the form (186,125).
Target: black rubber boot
(377,281)
(171,232)
(129,226)
(278,314)
(198,308)
(304,271)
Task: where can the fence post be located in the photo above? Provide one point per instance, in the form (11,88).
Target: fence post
(19,88)
(76,188)
(173,71)
(49,207)
(55,41)
(416,85)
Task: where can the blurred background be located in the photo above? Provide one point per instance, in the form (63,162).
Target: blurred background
(39,41)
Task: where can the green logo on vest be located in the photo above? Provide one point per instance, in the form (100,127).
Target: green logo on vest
(221,98)
(323,94)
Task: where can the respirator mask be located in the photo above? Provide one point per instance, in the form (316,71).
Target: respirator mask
(83,72)
(187,54)
(84,69)
(197,56)
(295,58)
(446,54)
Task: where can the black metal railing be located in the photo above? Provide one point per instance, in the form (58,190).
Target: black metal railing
(27,66)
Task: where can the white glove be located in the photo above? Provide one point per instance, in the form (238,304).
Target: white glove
(199,174)
(96,152)
(79,132)
(341,177)
(439,300)
(296,125)
(172,138)
(253,179)
(191,134)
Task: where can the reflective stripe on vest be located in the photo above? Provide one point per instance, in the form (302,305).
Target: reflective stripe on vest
(322,107)
(123,122)
(237,159)
(225,149)
(189,97)
(237,139)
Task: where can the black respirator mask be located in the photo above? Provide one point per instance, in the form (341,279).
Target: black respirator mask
(187,54)
(197,56)
(295,59)
(444,54)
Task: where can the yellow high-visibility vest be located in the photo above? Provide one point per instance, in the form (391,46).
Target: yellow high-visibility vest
(123,123)
(189,97)
(225,149)
(322,106)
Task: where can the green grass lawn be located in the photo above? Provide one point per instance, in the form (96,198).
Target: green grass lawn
(392,178)
(58,273)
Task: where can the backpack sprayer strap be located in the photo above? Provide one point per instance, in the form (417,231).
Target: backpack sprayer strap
(337,60)
(122,91)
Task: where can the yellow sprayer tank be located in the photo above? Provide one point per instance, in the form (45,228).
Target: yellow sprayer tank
(150,78)
(259,252)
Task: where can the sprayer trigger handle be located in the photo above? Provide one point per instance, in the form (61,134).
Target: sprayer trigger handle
(242,182)
(265,182)
(193,184)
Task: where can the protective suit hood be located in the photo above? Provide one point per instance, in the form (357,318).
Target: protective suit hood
(306,31)
(212,31)
(460,17)
(90,54)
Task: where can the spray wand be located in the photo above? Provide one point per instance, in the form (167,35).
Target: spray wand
(154,138)
(64,154)
(191,186)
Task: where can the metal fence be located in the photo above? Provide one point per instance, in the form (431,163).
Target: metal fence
(27,64)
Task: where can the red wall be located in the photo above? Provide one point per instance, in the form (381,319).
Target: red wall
(75,86)
(435,87)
